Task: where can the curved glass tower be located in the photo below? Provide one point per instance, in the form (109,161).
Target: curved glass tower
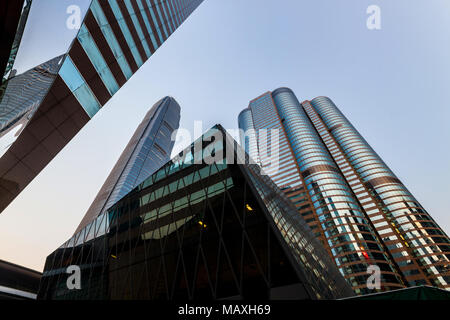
(418,245)
(351,199)
(249,141)
(149,148)
(325,199)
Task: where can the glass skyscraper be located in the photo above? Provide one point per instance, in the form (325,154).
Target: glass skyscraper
(196,230)
(353,203)
(24,93)
(417,244)
(114,41)
(148,149)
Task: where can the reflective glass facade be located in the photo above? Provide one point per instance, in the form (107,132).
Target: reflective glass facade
(249,142)
(197,231)
(149,148)
(419,247)
(323,196)
(115,39)
(24,92)
(262,114)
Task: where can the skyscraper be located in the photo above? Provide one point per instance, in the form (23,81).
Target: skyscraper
(418,245)
(353,202)
(197,230)
(114,41)
(24,93)
(149,148)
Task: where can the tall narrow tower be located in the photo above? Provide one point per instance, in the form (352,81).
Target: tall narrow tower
(149,148)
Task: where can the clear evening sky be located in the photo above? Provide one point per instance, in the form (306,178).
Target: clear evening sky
(392,84)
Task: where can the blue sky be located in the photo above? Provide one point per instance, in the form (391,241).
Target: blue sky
(391,83)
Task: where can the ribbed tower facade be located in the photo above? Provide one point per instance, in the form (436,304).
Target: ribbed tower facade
(148,149)
(419,247)
(352,201)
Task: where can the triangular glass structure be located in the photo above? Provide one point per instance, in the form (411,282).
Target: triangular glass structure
(199,230)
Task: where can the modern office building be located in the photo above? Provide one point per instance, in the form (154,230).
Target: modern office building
(352,201)
(114,41)
(24,93)
(148,149)
(17,282)
(197,229)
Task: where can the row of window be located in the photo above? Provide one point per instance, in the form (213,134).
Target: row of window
(71,75)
